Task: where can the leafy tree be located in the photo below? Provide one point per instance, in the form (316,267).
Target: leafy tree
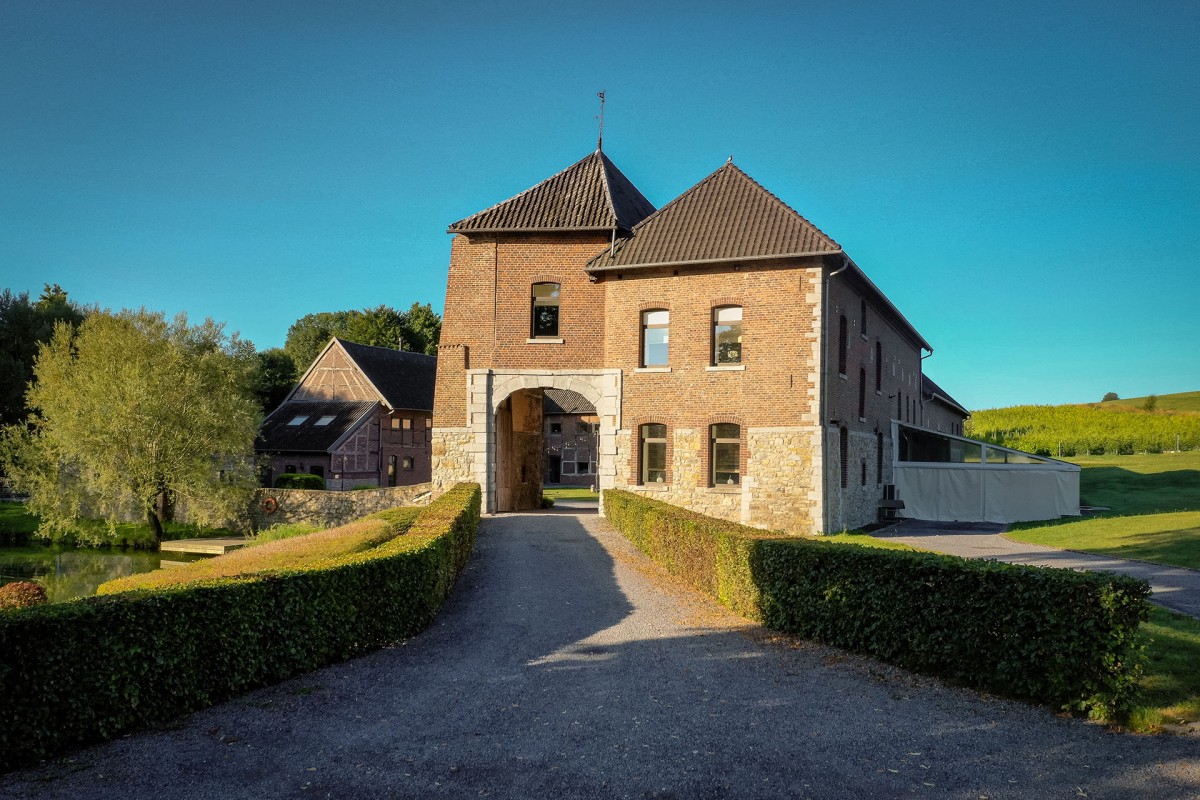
(25,325)
(1151,403)
(423,329)
(417,329)
(308,335)
(274,376)
(1110,396)
(132,414)
(381,326)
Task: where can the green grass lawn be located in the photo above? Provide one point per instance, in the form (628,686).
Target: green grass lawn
(16,524)
(1155,510)
(865,540)
(1141,484)
(572,493)
(1162,538)
(1171,683)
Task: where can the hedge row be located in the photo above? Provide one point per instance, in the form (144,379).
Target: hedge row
(87,670)
(1049,635)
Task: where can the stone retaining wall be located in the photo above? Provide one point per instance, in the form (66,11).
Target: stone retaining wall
(329,509)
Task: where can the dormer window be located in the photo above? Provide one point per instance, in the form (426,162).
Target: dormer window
(298,419)
(325,420)
(544,311)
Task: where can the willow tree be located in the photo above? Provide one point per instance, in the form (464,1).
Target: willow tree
(132,414)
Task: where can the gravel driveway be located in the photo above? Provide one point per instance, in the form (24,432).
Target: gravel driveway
(565,665)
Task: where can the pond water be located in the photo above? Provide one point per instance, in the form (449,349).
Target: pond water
(71,572)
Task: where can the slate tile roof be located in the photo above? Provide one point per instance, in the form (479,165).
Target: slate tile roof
(405,379)
(591,194)
(728,216)
(565,401)
(278,436)
(931,391)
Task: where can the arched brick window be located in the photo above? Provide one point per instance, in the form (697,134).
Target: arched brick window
(656,336)
(862,320)
(543,311)
(878,366)
(725,454)
(653,452)
(727,335)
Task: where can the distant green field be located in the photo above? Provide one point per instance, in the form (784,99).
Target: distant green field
(1181,401)
(1118,427)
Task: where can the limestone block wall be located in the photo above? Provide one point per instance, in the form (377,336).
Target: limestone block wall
(329,509)
(453,459)
(783,495)
(857,503)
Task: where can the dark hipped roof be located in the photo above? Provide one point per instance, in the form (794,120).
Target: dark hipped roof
(564,401)
(277,436)
(728,216)
(405,379)
(591,194)
(931,391)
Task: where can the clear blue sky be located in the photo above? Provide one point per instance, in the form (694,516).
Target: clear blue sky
(1022,179)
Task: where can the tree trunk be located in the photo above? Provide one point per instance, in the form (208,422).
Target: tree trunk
(154,523)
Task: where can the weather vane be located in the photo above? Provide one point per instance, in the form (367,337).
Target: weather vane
(600,116)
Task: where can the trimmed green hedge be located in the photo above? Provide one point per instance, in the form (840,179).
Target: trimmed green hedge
(1054,636)
(299,480)
(92,669)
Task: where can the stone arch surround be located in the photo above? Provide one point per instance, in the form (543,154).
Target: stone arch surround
(488,388)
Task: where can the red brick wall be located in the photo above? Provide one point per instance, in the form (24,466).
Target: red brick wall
(774,388)
(493,322)
(900,389)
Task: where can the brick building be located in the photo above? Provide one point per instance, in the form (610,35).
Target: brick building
(570,438)
(360,416)
(739,362)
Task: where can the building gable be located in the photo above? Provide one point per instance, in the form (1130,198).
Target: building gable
(591,194)
(728,216)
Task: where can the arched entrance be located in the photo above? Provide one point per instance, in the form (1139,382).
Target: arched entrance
(518,451)
(505,414)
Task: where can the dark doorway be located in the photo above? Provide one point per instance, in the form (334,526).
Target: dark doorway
(553,468)
(519,458)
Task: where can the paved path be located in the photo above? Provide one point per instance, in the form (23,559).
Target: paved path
(1175,588)
(566,666)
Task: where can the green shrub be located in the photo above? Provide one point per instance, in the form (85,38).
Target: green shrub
(1054,636)
(77,672)
(22,594)
(299,480)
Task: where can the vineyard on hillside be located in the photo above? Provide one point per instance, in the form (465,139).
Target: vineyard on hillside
(1068,431)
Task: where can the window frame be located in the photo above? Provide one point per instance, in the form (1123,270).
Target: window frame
(644,442)
(554,302)
(645,325)
(715,441)
(714,344)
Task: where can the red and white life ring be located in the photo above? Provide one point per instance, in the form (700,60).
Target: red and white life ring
(270,505)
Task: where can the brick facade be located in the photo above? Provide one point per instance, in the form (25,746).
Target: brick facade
(791,392)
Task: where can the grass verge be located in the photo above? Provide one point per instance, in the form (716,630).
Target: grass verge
(1170,684)
(1172,539)
(571,493)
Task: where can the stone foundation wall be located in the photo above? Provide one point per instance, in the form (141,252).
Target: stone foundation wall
(330,509)
(778,492)
(857,504)
(453,457)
